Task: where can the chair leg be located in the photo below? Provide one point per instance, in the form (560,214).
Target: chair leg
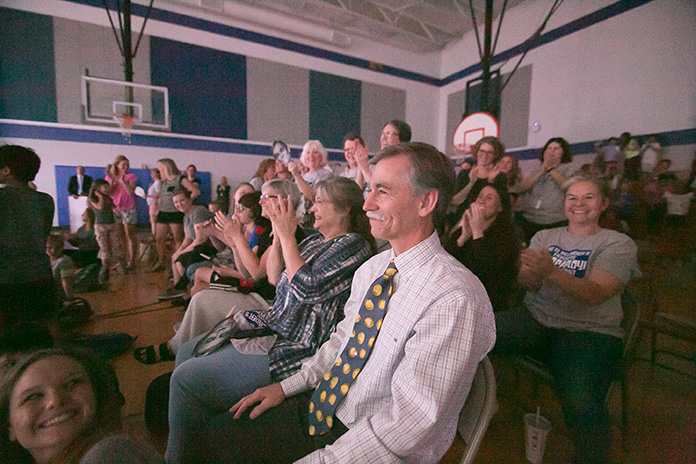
(624,412)
(653,342)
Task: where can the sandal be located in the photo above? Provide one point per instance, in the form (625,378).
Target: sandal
(153,354)
(157,268)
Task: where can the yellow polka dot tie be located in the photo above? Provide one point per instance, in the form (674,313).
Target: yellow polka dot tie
(336,383)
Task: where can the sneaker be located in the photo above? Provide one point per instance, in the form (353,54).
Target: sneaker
(171,294)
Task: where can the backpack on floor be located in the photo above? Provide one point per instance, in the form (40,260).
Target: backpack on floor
(73,313)
(87,279)
(107,345)
(157,405)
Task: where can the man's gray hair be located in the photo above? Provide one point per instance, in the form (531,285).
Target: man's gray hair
(430,170)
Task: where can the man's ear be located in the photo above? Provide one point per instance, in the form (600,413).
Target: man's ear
(428,203)
(11,434)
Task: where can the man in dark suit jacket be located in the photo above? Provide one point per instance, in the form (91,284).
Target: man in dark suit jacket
(79,184)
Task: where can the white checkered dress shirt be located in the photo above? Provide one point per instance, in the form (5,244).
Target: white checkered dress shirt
(404,405)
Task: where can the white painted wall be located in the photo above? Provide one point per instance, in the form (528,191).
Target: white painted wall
(421,100)
(634,72)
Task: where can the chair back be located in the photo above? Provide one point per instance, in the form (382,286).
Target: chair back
(479,407)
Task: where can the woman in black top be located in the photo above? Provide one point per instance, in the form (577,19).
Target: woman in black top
(484,240)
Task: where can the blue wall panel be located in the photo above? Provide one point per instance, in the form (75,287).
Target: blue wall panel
(207,88)
(334,108)
(27,66)
(63,174)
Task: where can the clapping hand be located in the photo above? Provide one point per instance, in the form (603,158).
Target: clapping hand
(477,221)
(538,262)
(230,228)
(494,173)
(463,224)
(282,217)
(294,169)
(360,154)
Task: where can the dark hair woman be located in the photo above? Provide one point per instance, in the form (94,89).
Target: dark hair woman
(542,202)
(488,244)
(59,405)
(26,281)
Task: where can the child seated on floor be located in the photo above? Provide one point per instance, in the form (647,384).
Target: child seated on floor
(85,241)
(63,267)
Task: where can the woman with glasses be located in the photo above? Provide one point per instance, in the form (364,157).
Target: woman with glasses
(313,280)
(247,234)
(488,152)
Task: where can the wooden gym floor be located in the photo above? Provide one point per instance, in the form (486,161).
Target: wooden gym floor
(662,407)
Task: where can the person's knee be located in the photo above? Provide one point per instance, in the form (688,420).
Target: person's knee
(582,406)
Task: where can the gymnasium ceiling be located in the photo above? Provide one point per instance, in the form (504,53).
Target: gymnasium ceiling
(420,26)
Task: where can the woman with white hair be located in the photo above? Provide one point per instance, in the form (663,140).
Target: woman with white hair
(315,157)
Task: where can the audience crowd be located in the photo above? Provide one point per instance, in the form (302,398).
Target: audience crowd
(289,280)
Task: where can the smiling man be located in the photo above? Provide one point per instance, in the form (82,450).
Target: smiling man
(390,382)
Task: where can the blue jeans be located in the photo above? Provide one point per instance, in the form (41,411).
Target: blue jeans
(204,387)
(583,365)
(191,269)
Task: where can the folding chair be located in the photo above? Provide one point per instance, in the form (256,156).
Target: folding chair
(630,322)
(479,408)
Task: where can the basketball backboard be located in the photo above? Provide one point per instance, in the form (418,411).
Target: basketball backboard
(108,101)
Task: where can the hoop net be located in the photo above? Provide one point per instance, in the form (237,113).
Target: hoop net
(125,122)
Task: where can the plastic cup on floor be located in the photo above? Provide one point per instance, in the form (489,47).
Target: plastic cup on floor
(536,429)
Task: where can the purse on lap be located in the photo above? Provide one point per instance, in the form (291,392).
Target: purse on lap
(224,331)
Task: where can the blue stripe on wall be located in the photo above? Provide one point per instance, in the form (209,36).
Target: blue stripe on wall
(334,108)
(207,88)
(26,131)
(579,24)
(667,139)
(553,35)
(27,66)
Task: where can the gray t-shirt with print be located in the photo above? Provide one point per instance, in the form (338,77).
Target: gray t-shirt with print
(607,250)
(545,202)
(196,216)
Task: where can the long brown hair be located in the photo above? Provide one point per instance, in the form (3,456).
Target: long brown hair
(345,194)
(108,397)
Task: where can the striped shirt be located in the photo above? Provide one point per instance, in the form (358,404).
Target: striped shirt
(306,310)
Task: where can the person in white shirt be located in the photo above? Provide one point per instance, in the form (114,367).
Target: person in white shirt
(402,403)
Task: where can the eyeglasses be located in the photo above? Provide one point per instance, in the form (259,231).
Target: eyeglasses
(390,134)
(266,196)
(240,207)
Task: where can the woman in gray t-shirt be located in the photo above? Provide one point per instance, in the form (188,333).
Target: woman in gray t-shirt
(572,316)
(169,217)
(542,199)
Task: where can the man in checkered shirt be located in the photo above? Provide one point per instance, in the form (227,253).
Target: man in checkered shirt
(404,404)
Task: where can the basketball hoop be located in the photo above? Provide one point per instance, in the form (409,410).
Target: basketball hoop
(472,129)
(125,122)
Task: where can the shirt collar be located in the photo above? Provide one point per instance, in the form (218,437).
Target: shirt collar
(412,259)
